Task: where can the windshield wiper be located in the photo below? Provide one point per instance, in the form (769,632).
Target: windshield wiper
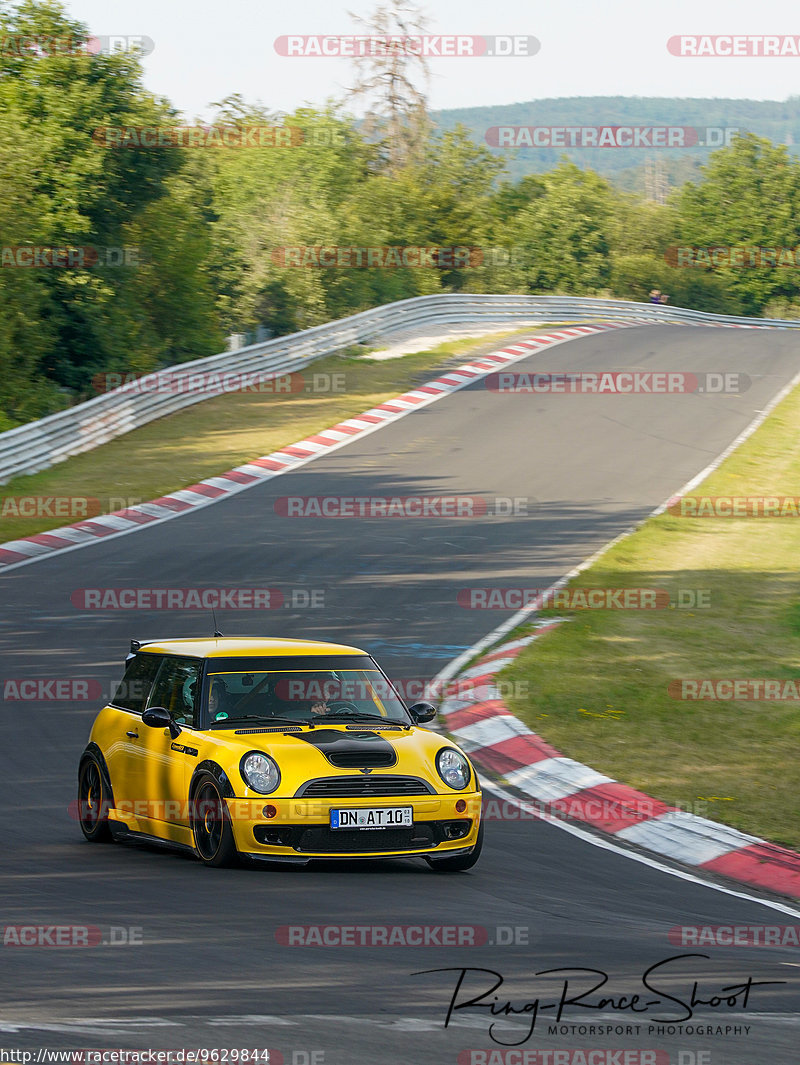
(364,716)
(258,717)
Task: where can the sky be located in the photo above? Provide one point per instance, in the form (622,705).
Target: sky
(204,50)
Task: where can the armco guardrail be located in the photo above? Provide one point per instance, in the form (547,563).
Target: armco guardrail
(43,443)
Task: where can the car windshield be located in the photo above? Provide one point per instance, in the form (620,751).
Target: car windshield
(301,696)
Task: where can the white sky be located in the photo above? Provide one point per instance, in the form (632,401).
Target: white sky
(206,50)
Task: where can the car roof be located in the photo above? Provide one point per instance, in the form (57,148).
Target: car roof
(246,646)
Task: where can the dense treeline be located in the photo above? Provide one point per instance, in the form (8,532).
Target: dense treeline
(176,245)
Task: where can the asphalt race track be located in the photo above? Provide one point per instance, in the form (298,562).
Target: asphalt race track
(210,971)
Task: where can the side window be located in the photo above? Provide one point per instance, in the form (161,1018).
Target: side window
(137,682)
(176,688)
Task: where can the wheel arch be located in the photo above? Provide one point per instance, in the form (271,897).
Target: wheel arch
(93,751)
(218,773)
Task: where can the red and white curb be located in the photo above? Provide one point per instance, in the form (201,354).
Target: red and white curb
(30,549)
(480,722)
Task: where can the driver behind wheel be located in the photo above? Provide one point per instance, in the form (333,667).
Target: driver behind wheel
(330,685)
(338,695)
(305,694)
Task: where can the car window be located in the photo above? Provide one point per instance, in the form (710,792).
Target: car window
(301,695)
(135,685)
(176,687)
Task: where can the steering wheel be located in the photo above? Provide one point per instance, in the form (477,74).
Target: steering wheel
(343,707)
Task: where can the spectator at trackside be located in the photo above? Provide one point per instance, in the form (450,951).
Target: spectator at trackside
(655,296)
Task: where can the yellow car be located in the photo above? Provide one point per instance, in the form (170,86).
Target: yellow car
(285,750)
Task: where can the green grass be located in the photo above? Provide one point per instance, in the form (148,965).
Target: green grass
(600,683)
(213,436)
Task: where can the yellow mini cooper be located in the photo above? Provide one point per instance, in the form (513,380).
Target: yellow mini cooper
(284,750)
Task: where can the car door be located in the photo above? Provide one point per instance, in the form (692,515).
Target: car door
(122,727)
(164,764)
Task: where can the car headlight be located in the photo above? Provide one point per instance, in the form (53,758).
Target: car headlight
(453,768)
(260,772)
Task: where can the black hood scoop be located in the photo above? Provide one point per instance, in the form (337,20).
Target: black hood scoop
(354,750)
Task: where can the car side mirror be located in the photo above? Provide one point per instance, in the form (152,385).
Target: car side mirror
(422,712)
(159,717)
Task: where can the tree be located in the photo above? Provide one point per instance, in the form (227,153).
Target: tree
(25,336)
(749,198)
(83,192)
(397,114)
(267,203)
(564,236)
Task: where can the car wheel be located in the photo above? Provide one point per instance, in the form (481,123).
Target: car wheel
(462,861)
(211,826)
(93,802)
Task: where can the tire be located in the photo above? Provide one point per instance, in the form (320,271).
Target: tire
(211,827)
(460,863)
(94,801)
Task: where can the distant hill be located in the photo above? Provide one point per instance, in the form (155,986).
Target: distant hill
(777,121)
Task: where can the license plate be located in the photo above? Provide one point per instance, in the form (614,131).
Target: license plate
(374,817)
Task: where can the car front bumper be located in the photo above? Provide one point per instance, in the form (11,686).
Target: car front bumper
(300,830)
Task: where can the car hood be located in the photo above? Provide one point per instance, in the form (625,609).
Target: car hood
(327,749)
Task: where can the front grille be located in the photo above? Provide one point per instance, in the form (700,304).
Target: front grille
(365,759)
(325,840)
(363,787)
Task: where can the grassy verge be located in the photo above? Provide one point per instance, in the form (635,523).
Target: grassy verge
(600,685)
(217,434)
